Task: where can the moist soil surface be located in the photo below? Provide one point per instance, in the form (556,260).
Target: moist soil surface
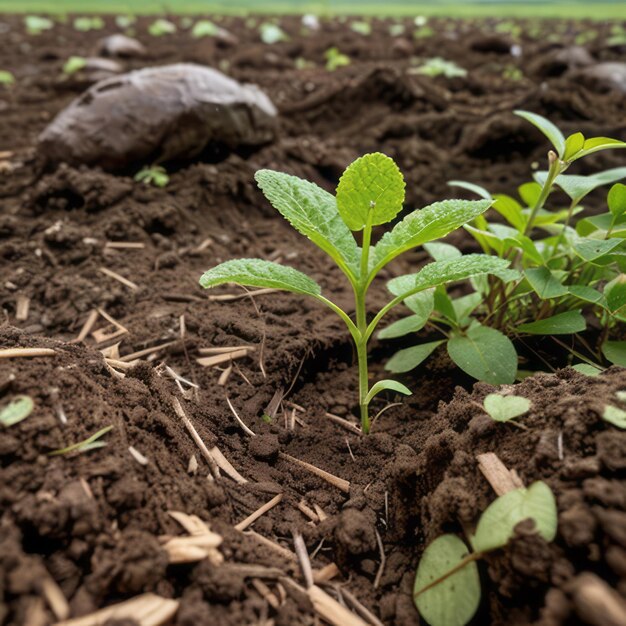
(91,524)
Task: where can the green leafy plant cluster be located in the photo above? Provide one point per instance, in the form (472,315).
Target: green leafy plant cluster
(439,67)
(370,193)
(36,25)
(73,65)
(161,27)
(562,266)
(447,583)
(153,175)
(272,33)
(86,24)
(336,59)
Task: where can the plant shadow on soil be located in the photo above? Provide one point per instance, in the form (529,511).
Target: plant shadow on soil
(92,521)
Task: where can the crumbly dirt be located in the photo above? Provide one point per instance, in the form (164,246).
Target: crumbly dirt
(92,521)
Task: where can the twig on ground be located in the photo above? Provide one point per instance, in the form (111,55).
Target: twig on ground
(22,306)
(326,573)
(147,351)
(239,420)
(259,512)
(225,465)
(363,611)
(140,458)
(340,483)
(15,353)
(344,423)
(497,474)
(266,593)
(224,376)
(303,558)
(87,326)
(55,598)
(383,559)
(224,357)
(304,508)
(288,554)
(111,274)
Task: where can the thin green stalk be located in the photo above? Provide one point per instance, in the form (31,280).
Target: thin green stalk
(556,167)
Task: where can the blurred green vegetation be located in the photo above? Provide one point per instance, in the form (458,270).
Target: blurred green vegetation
(608,9)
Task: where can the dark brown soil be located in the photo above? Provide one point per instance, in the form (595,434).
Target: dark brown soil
(93,520)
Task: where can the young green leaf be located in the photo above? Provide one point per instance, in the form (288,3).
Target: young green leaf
(313,212)
(545,284)
(505,408)
(595,144)
(573,144)
(16,411)
(593,249)
(259,273)
(497,524)
(615,352)
(588,294)
(477,189)
(587,369)
(402,327)
(455,600)
(566,323)
(485,354)
(529,193)
(442,251)
(617,199)
(91,443)
(409,358)
(442,272)
(511,211)
(577,187)
(74,64)
(6,78)
(424,225)
(614,416)
(370,191)
(384,385)
(615,293)
(547,128)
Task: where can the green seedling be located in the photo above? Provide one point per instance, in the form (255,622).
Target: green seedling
(423,32)
(16,411)
(370,193)
(447,584)
(272,33)
(153,175)
(440,67)
(587,369)
(36,25)
(125,21)
(6,78)
(361,28)
(73,65)
(504,408)
(161,27)
(614,416)
(91,443)
(621,396)
(335,59)
(205,28)
(86,24)
(565,267)
(397,30)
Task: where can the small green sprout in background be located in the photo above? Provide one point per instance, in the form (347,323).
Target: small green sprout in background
(36,25)
(86,24)
(447,583)
(614,416)
(303,64)
(362,28)
(370,193)
(91,443)
(205,28)
(397,30)
(16,411)
(153,175)
(512,73)
(336,59)
(125,21)
(505,408)
(272,33)
(6,78)
(161,27)
(439,67)
(74,64)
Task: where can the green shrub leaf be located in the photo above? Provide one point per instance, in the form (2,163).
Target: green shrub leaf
(455,600)
(313,212)
(505,408)
(614,416)
(372,187)
(594,249)
(577,187)
(615,293)
(561,324)
(16,411)
(588,294)
(384,385)
(442,251)
(406,325)
(587,369)
(497,523)
(485,354)
(409,358)
(424,225)
(547,128)
(477,189)
(617,199)
(615,352)
(595,144)
(511,211)
(573,144)
(259,273)
(544,283)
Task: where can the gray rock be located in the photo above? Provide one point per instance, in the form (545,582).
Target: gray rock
(120,46)
(610,76)
(558,62)
(158,114)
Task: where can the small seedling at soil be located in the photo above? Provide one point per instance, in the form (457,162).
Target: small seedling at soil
(361,28)
(35,25)
(423,32)
(440,67)
(447,583)
(161,27)
(505,408)
(6,78)
(91,443)
(272,33)
(335,59)
(125,21)
(396,30)
(153,175)
(205,28)
(73,65)
(614,416)
(16,411)
(564,266)
(86,24)
(370,193)
(621,396)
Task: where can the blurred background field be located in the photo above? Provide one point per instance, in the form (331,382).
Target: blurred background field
(615,9)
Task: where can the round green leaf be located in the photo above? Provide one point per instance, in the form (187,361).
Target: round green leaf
(371,188)
(496,525)
(614,416)
(486,354)
(409,358)
(615,352)
(617,199)
(16,411)
(504,408)
(454,601)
